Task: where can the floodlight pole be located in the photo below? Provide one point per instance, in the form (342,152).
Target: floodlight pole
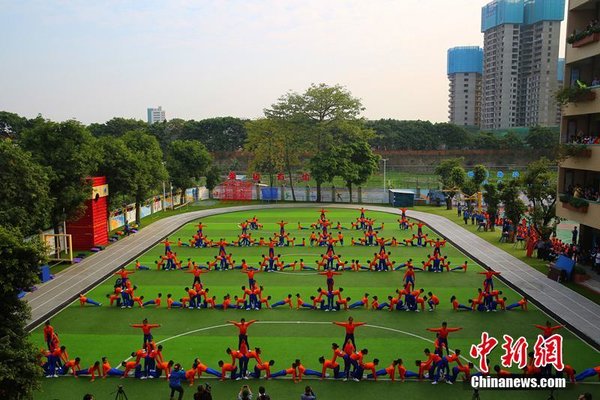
(164,198)
(384,173)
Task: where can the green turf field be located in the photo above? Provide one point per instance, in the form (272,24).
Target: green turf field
(284,334)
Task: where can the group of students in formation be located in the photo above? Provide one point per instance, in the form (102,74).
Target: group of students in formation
(346,363)
(252,297)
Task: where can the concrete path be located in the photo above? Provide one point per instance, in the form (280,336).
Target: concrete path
(577,312)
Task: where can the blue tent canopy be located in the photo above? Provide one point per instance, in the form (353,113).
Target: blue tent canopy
(565,264)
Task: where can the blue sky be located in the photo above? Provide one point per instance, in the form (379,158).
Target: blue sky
(92,60)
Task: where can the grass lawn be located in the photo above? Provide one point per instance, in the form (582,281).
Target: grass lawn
(283,334)
(494,238)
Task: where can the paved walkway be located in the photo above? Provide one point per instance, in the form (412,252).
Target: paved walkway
(580,314)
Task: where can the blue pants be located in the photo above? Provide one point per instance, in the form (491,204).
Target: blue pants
(176,304)
(143,268)
(382,306)
(306,305)
(312,372)
(349,362)
(411,302)
(279,303)
(243,366)
(514,305)
(585,374)
(356,304)
(442,365)
(149,303)
(114,372)
(95,303)
(463,307)
(279,373)
(330,301)
(213,372)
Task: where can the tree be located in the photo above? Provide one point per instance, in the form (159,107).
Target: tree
(486,140)
(357,163)
(264,148)
(24,197)
(491,196)
(187,161)
(213,177)
(315,113)
(11,124)
(19,263)
(453,136)
(539,185)
(167,131)
(544,139)
(451,178)
(117,127)
(283,141)
(512,141)
(149,169)
(217,134)
(513,205)
(406,135)
(69,151)
(471,186)
(118,163)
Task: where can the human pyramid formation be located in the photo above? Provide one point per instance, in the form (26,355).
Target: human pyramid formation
(252,296)
(435,366)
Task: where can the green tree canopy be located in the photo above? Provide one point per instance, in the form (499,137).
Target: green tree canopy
(357,163)
(19,265)
(187,161)
(539,184)
(491,196)
(149,170)
(452,177)
(217,134)
(317,114)
(514,207)
(24,195)
(117,127)
(70,153)
(118,163)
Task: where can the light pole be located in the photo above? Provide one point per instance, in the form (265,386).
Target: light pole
(384,173)
(164,198)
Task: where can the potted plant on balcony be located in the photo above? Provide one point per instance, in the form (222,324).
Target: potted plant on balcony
(589,35)
(574,203)
(574,94)
(573,150)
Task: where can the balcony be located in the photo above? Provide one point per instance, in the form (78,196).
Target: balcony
(583,4)
(591,106)
(586,48)
(588,160)
(589,216)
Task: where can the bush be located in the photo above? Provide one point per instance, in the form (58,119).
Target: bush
(573,94)
(577,36)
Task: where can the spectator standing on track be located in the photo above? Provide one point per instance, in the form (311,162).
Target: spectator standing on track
(262,394)
(308,394)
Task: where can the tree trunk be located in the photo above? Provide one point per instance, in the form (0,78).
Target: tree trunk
(349,186)
(318,192)
(448,203)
